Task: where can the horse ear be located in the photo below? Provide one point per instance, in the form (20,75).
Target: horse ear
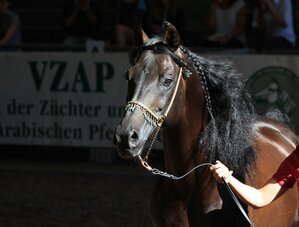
(139,35)
(171,35)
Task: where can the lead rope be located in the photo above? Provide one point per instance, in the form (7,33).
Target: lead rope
(232,194)
(155,171)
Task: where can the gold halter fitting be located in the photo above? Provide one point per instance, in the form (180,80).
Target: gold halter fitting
(149,115)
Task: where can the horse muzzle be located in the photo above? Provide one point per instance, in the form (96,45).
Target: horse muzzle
(127,143)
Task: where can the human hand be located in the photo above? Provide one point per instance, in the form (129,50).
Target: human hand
(217,3)
(265,3)
(84,4)
(222,40)
(220,172)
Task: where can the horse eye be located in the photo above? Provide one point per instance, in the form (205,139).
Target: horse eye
(167,82)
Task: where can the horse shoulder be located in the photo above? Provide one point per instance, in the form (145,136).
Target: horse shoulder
(275,134)
(273,142)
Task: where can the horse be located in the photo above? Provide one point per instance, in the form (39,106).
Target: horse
(206,114)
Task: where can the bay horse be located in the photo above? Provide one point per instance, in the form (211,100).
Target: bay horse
(206,113)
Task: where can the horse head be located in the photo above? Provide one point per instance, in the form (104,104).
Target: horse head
(153,84)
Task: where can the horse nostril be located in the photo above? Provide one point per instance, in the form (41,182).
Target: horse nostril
(133,138)
(133,134)
(158,109)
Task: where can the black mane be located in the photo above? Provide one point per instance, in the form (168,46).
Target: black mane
(228,135)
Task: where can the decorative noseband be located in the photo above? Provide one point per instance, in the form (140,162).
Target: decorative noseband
(149,115)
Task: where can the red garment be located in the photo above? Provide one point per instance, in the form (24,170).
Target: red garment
(288,172)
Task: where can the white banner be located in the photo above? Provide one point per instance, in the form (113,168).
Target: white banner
(78,98)
(61,98)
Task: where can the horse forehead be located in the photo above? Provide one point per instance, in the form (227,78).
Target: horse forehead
(163,61)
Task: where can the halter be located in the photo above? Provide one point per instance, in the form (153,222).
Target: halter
(152,118)
(149,115)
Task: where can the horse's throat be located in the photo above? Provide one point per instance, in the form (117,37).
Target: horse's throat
(179,150)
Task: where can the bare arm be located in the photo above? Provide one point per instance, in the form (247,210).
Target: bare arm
(276,15)
(92,18)
(85,7)
(211,17)
(70,19)
(9,33)
(250,195)
(240,23)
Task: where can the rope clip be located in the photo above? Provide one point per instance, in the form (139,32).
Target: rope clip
(145,164)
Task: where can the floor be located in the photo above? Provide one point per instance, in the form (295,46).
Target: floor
(61,194)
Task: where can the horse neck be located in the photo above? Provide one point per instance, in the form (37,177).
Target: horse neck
(180,140)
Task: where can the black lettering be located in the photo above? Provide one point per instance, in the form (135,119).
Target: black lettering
(37,76)
(43,108)
(81,78)
(57,80)
(104,71)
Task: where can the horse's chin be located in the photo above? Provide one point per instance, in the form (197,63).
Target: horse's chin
(127,153)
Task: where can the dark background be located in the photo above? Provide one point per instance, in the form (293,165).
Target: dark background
(61,186)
